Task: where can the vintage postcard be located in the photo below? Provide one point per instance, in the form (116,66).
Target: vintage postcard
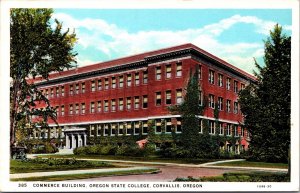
(149,96)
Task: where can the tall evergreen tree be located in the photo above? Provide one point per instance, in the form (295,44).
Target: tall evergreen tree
(36,49)
(267,104)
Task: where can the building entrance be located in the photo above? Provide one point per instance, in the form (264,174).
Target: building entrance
(75,137)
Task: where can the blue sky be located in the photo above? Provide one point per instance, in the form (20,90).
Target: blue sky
(234,35)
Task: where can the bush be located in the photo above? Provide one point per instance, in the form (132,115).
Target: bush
(44,148)
(81,151)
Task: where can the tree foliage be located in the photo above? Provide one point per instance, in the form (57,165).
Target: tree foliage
(267,104)
(36,49)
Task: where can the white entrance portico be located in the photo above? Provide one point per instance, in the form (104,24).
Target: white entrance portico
(75,137)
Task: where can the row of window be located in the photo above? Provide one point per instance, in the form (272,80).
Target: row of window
(220,104)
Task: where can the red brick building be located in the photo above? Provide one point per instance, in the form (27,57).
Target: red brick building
(119,97)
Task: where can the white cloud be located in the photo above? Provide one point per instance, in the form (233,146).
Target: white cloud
(113,40)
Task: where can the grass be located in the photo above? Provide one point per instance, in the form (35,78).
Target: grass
(241,177)
(85,176)
(129,158)
(254,164)
(44,165)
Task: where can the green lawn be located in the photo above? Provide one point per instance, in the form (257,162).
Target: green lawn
(44,165)
(129,158)
(254,164)
(85,176)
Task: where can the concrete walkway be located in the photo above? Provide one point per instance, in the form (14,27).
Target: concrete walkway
(68,172)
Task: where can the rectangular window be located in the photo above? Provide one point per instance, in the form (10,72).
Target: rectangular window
(242,86)
(235,128)
(136,102)
(113,105)
(211,102)
(128,103)
(179,69)
(145,101)
(129,80)
(99,128)
(136,128)
(71,109)
(168,71)
(92,107)
(145,127)
(113,82)
(57,110)
(200,98)
(137,78)
(129,129)
(113,129)
(121,81)
(92,130)
(178,126)
(99,106)
(106,83)
(221,127)
(158,126)
(158,73)
(228,83)
(200,72)
(82,108)
(228,129)
(106,106)
(200,125)
(220,80)
(52,92)
(82,87)
(105,131)
(228,105)
(212,127)
(168,97)
(47,93)
(77,88)
(145,77)
(168,125)
(77,108)
(220,103)
(121,127)
(121,104)
(235,107)
(242,132)
(179,98)
(62,110)
(235,87)
(71,90)
(57,91)
(99,84)
(211,77)
(62,91)
(93,86)
(158,98)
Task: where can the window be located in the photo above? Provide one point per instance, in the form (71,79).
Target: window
(82,108)
(121,104)
(211,127)
(113,105)
(200,98)
(106,84)
(93,86)
(99,84)
(113,82)
(228,82)
(200,72)
(52,92)
(235,87)
(179,69)
(220,103)
(158,98)
(242,132)
(92,107)
(137,78)
(83,87)
(168,97)
(158,126)
(211,102)
(57,91)
(77,88)
(92,130)
(129,80)
(121,127)
(242,86)
(228,105)
(62,91)
(129,129)
(105,131)
(62,110)
(47,93)
(99,128)
(145,77)
(71,109)
(179,98)
(221,127)
(228,129)
(200,125)
(121,81)
(211,77)
(168,71)
(113,129)
(136,102)
(128,103)
(99,106)
(106,106)
(168,125)
(77,108)
(71,90)
(57,110)
(158,73)
(178,126)
(235,107)
(220,80)
(145,101)
(145,127)
(235,128)
(136,128)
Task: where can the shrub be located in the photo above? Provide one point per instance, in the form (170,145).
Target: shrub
(81,151)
